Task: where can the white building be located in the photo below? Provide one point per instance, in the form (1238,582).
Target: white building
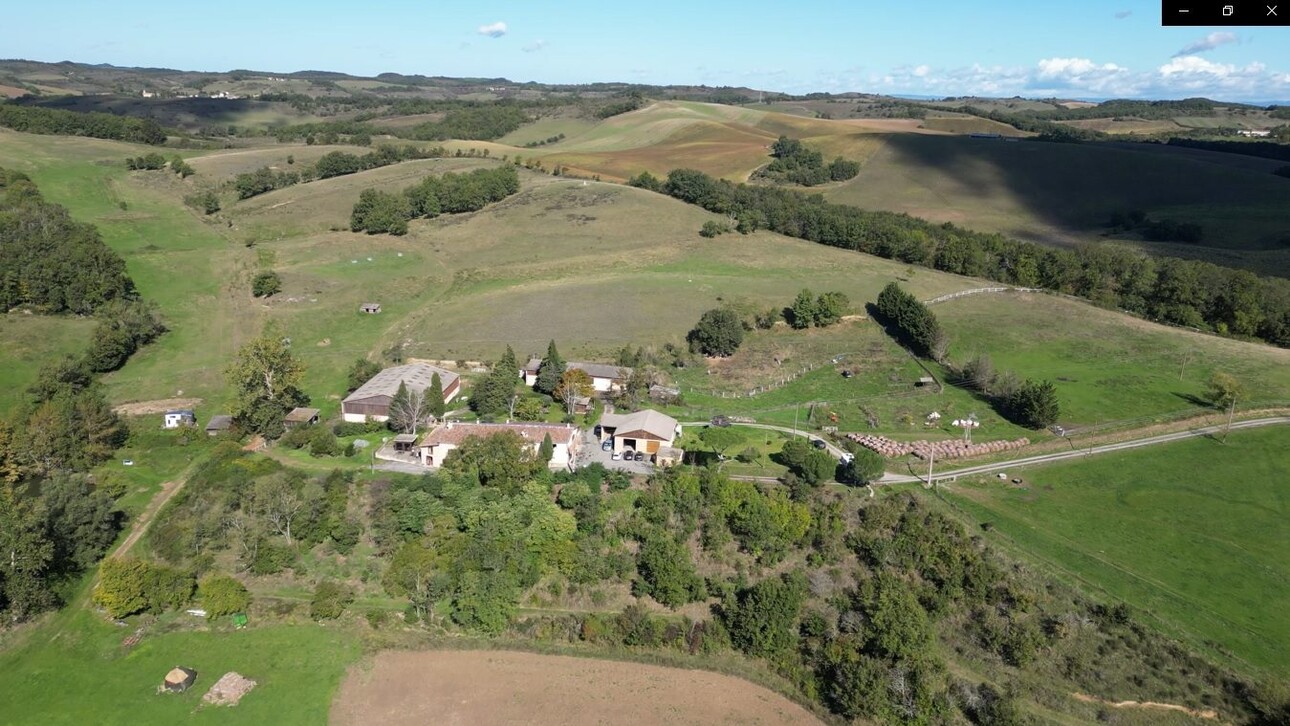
(182,417)
(604,378)
(442,439)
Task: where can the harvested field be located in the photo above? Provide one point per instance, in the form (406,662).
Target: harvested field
(494,687)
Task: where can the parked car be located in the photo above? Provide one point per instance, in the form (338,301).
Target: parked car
(607,445)
(640,456)
(720,421)
(819,444)
(615,456)
(596,431)
(846,374)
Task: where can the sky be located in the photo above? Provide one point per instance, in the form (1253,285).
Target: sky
(1081,49)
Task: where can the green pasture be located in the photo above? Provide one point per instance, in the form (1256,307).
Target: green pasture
(1107,367)
(28,342)
(1192,533)
(73,669)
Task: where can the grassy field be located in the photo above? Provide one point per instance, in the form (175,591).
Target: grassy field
(1193,533)
(1106,366)
(74,670)
(29,341)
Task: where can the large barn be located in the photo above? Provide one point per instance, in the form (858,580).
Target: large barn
(648,431)
(371,402)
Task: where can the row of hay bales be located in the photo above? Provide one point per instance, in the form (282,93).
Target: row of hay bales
(952,449)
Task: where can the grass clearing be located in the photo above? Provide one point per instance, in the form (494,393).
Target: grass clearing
(28,342)
(1193,532)
(72,669)
(1106,366)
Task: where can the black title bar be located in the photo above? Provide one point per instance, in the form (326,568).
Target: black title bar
(1264,13)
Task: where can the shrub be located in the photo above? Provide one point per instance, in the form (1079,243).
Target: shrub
(222,595)
(330,600)
(266,284)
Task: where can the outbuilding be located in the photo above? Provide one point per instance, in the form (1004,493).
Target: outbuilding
(180,417)
(179,679)
(648,431)
(301,417)
(219,424)
(370,308)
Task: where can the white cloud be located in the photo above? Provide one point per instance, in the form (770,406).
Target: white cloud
(1080,78)
(534,47)
(1209,42)
(1123,14)
(493,30)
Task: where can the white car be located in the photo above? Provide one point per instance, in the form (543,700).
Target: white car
(615,456)
(127,462)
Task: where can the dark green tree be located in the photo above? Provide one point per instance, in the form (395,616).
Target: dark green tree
(666,572)
(718,333)
(550,371)
(804,311)
(546,450)
(434,397)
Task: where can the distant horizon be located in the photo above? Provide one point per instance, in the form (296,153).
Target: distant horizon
(1098,49)
(898,95)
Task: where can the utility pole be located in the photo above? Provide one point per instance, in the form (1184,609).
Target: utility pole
(1231,413)
(796,408)
(931,459)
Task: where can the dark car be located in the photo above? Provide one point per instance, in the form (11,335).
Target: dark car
(720,421)
(846,374)
(596,431)
(819,444)
(640,456)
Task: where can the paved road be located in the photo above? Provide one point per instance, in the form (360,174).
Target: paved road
(998,466)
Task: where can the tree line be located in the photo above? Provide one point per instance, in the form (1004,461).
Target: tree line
(335,163)
(52,121)
(378,212)
(796,164)
(1181,292)
(1261,149)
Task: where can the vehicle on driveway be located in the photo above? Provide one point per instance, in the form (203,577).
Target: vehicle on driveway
(819,444)
(720,421)
(615,456)
(640,456)
(607,445)
(596,431)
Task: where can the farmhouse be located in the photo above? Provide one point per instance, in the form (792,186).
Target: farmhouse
(648,431)
(182,417)
(372,399)
(301,417)
(219,424)
(604,378)
(447,436)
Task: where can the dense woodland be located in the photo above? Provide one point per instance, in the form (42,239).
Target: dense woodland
(1181,292)
(48,260)
(862,605)
(34,120)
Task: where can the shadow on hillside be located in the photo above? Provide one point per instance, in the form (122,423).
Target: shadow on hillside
(1075,187)
(188,113)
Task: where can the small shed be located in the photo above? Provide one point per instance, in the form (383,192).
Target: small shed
(179,679)
(301,417)
(370,308)
(219,424)
(405,443)
(926,381)
(181,417)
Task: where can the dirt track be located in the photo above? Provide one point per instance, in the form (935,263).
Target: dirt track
(400,688)
(143,408)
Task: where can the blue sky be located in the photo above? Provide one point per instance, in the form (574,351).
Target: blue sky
(1095,49)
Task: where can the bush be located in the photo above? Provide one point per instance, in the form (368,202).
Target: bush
(322,442)
(207,201)
(127,586)
(222,595)
(330,600)
(266,284)
(271,558)
(718,333)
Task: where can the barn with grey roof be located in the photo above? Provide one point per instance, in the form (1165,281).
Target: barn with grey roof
(371,401)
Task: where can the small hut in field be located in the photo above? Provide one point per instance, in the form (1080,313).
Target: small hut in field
(179,679)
